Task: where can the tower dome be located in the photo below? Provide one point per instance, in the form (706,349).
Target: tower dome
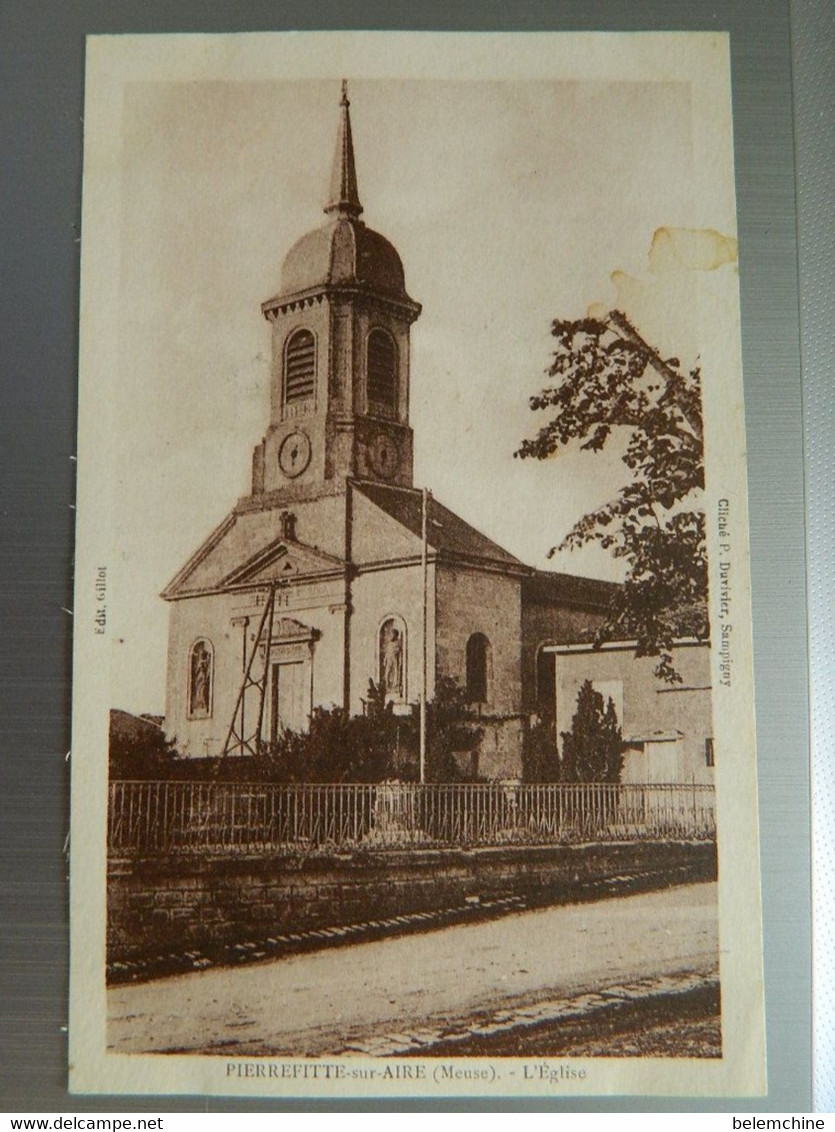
(339,389)
(344,252)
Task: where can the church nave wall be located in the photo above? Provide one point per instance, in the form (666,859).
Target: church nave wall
(378,596)
(473,602)
(225,620)
(206,618)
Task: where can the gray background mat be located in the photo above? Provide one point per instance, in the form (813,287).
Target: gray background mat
(813,27)
(41,64)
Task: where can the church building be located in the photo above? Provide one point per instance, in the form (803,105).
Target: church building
(336,570)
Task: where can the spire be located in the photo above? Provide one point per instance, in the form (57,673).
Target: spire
(344,196)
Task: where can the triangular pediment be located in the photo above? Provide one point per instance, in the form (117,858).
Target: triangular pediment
(283,561)
(244,551)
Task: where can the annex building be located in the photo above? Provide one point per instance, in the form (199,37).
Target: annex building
(337,569)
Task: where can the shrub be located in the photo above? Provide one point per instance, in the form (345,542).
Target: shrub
(379,745)
(592,750)
(452,734)
(337,747)
(138,747)
(540,758)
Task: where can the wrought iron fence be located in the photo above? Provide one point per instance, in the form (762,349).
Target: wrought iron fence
(194,817)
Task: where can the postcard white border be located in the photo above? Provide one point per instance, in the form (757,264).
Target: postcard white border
(698,58)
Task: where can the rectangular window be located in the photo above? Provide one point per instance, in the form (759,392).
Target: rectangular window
(709,752)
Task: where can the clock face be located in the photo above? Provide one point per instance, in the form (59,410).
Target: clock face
(294,454)
(384,456)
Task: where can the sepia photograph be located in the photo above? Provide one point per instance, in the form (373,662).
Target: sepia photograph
(413,740)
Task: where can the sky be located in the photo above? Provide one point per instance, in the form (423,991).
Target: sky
(510,202)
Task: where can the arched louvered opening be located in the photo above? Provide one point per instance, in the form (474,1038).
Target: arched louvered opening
(381,384)
(299,367)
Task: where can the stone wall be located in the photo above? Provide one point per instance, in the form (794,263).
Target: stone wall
(180,904)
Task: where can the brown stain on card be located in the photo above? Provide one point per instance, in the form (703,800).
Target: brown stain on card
(690,249)
(661,297)
(676,251)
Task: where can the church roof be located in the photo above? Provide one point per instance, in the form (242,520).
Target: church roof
(250,549)
(344,252)
(546,587)
(447,533)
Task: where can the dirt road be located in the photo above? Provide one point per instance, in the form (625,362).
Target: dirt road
(320,1002)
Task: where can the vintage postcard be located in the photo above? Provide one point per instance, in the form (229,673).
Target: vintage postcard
(413,724)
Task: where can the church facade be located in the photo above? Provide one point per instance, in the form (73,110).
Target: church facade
(336,570)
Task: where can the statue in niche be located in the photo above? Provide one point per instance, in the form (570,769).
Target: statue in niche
(201,675)
(391,660)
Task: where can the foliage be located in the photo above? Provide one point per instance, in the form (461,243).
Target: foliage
(379,745)
(337,747)
(611,384)
(138,747)
(540,758)
(592,751)
(452,731)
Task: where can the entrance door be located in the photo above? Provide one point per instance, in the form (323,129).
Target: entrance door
(288,701)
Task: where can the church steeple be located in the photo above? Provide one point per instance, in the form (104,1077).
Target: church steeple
(344,195)
(339,404)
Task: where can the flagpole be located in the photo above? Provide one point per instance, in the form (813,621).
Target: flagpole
(424,565)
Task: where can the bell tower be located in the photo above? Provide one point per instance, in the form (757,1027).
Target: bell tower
(339,403)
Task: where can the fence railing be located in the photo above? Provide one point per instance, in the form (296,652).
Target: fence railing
(193,817)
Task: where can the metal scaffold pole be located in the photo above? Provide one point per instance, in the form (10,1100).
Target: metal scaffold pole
(237,741)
